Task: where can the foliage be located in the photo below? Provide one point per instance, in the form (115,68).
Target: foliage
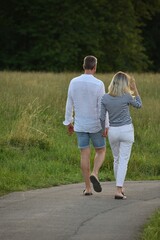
(55,35)
(152,34)
(26,133)
(145,9)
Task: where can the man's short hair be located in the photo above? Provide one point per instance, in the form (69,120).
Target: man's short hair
(89,62)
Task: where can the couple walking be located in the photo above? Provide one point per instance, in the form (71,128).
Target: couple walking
(97,115)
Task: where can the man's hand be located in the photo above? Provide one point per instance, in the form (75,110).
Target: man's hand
(105,132)
(70,129)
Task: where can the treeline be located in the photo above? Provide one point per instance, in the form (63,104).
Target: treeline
(55,35)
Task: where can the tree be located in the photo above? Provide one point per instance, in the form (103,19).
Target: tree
(55,35)
(151,34)
(122,42)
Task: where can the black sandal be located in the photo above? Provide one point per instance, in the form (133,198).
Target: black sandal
(120,197)
(87,193)
(96,184)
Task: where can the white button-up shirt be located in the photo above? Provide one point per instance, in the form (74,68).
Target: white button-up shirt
(84,102)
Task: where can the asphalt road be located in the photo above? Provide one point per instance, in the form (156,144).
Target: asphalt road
(63,213)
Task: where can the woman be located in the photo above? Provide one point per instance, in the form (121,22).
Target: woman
(121,132)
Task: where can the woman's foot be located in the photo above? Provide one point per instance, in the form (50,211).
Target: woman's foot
(123,191)
(85,193)
(120,193)
(120,197)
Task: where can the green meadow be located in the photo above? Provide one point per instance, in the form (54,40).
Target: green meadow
(37,152)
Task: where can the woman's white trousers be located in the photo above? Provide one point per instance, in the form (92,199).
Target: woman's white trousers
(121,140)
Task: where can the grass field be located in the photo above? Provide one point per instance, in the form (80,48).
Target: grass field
(35,150)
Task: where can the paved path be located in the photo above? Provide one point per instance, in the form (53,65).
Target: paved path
(62,213)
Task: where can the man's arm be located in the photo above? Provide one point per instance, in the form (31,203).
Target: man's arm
(69,113)
(103,114)
(104,119)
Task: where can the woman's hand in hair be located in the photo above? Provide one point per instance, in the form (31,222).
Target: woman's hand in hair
(133,86)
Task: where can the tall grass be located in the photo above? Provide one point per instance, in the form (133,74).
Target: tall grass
(35,150)
(151,229)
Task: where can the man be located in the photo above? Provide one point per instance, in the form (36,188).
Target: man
(84,99)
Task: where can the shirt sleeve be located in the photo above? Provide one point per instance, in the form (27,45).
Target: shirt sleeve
(69,109)
(101,92)
(107,120)
(103,115)
(135,101)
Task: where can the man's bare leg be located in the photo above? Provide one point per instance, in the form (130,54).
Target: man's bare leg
(85,166)
(98,160)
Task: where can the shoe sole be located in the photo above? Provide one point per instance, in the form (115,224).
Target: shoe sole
(96,184)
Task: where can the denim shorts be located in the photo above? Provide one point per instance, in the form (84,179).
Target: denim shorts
(96,139)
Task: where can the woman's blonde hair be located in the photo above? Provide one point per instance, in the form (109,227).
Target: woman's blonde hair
(119,84)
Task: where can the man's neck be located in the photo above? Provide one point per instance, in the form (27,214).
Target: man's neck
(89,71)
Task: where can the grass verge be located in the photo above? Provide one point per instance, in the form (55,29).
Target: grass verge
(151,229)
